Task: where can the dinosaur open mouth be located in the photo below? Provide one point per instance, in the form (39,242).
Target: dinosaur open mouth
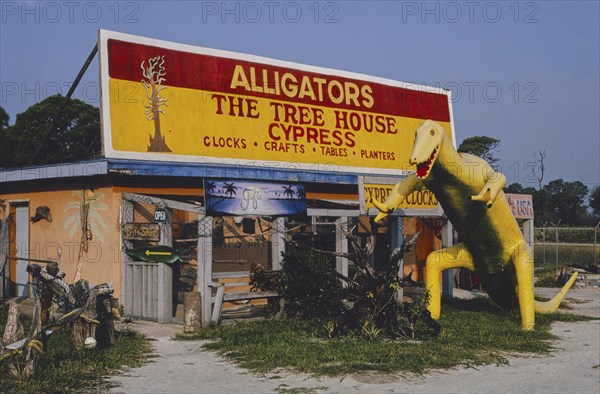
(424,168)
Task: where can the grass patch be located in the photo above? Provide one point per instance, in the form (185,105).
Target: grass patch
(546,271)
(475,332)
(546,277)
(62,369)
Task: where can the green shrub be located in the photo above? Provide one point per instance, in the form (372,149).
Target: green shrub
(309,283)
(366,306)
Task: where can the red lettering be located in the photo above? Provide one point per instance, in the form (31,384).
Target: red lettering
(318,117)
(337,138)
(324,137)
(350,139)
(391,125)
(276,106)
(273,136)
(311,135)
(220,98)
(380,124)
(355,122)
(298,132)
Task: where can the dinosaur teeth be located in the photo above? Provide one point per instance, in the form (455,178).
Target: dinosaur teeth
(424,167)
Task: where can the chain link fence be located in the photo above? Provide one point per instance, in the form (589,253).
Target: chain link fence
(567,246)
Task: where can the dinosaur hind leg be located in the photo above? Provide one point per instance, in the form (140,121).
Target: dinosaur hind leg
(457,256)
(522,259)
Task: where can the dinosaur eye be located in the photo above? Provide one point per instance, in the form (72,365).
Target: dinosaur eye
(432,132)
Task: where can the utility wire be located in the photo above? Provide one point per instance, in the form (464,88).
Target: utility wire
(64,103)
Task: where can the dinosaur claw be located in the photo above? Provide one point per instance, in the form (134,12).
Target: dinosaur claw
(381,206)
(380,216)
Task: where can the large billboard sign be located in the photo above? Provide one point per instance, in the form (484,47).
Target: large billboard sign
(175,102)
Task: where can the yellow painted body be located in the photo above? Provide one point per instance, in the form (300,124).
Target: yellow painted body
(492,246)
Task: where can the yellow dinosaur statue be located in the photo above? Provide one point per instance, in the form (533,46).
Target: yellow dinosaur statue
(470,193)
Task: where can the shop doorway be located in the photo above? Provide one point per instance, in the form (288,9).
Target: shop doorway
(159,260)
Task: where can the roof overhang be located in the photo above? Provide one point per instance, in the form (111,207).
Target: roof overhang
(98,167)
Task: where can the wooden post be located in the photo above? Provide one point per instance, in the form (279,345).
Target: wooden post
(396,224)
(13,332)
(165,273)
(341,245)
(83,328)
(192,312)
(277,243)
(204,258)
(126,288)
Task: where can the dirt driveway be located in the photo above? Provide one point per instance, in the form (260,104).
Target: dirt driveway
(574,367)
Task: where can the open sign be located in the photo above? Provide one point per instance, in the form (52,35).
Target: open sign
(160,215)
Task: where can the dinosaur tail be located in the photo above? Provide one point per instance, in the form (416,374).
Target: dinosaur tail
(554,303)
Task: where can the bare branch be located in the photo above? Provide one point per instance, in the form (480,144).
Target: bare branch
(398,253)
(539,168)
(145,71)
(413,240)
(326,252)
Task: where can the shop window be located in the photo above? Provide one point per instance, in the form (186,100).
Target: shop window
(249,226)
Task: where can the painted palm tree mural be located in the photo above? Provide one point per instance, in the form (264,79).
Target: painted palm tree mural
(154,75)
(219,193)
(243,198)
(288,191)
(230,189)
(209,187)
(301,192)
(86,217)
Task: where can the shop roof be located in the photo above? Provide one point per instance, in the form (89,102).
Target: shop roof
(89,168)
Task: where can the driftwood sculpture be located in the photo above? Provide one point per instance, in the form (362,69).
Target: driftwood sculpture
(57,304)
(366,304)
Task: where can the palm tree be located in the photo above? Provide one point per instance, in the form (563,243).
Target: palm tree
(230,189)
(300,192)
(287,190)
(88,218)
(209,187)
(95,218)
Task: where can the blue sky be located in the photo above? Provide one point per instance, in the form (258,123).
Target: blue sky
(526,73)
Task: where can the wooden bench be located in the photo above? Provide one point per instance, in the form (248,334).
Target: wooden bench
(242,280)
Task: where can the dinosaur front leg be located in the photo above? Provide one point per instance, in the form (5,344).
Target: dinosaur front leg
(397,196)
(457,256)
(494,184)
(522,259)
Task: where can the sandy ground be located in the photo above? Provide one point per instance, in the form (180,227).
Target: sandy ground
(574,367)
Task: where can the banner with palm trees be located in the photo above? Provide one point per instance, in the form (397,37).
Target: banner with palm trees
(243,198)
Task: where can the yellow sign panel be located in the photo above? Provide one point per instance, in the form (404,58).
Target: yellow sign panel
(165,101)
(420,199)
